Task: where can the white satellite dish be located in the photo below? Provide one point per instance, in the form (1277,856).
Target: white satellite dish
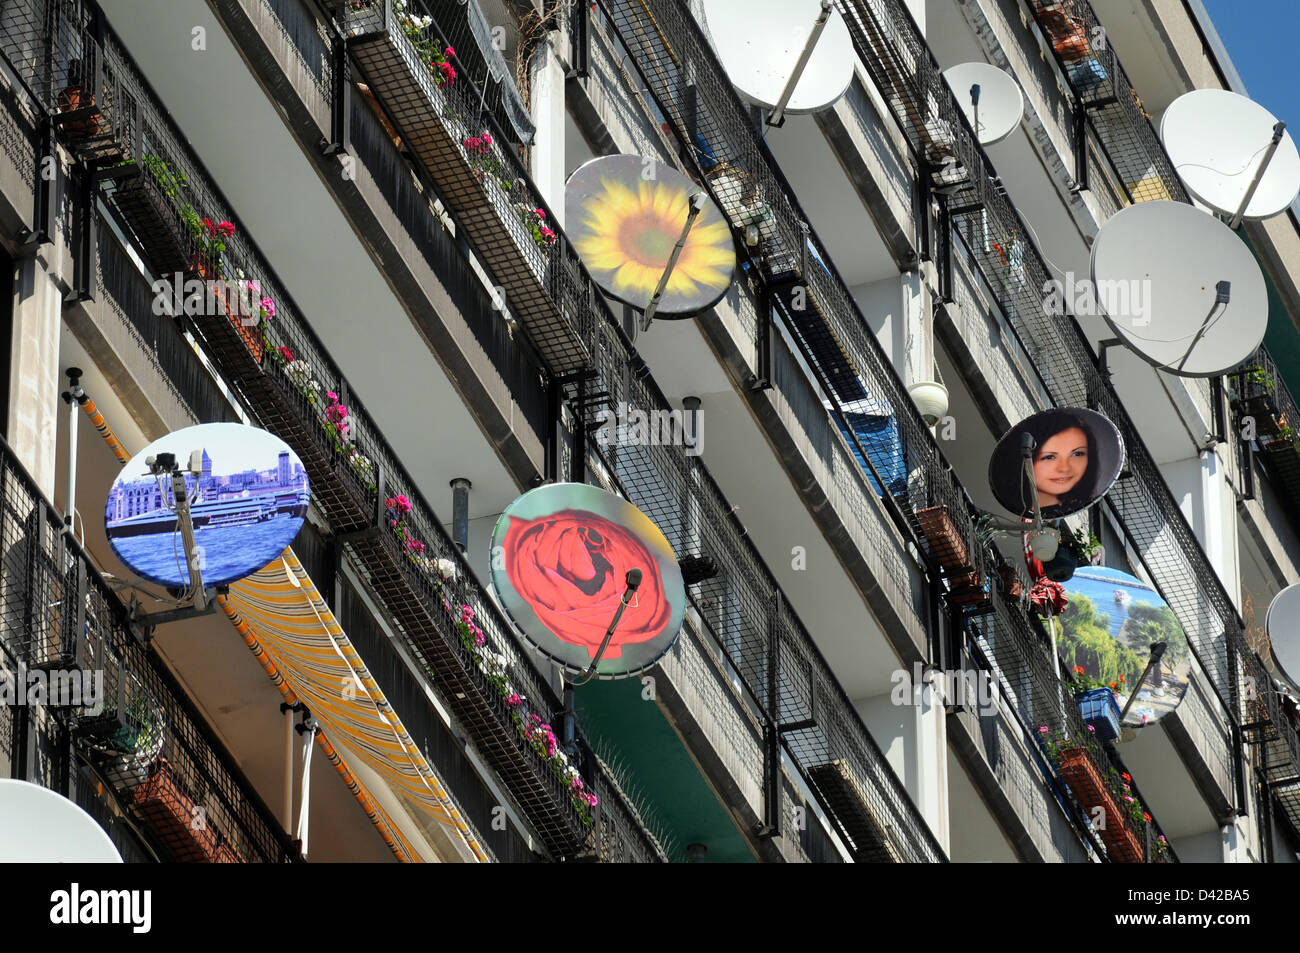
(761,44)
(1283,626)
(1217,140)
(990,98)
(38,825)
(1179,288)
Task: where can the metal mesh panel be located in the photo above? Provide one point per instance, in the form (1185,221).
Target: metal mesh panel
(999,243)
(663,481)
(57,614)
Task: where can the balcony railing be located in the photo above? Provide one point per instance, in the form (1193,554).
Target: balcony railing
(144,740)
(276,367)
(1106,103)
(717,137)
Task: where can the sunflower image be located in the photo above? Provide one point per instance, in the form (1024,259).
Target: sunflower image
(626,230)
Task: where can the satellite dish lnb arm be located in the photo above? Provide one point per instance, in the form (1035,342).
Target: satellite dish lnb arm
(777,116)
(633,580)
(1278,129)
(696,206)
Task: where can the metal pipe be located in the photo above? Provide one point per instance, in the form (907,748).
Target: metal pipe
(73,396)
(697,205)
(460,488)
(1278,129)
(778,114)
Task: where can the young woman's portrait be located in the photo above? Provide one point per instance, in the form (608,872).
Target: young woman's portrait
(1076,456)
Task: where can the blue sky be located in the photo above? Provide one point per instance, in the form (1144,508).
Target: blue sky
(1261,36)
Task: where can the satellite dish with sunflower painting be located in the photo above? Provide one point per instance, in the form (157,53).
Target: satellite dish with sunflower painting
(625,214)
(560,557)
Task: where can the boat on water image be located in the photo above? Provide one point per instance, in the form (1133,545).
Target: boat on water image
(244,510)
(1123,597)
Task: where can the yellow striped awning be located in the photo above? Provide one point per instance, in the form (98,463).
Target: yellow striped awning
(297,633)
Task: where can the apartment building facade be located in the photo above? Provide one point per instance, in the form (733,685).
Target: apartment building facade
(383,168)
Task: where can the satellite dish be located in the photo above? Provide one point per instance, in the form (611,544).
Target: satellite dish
(1283,626)
(566,551)
(1179,288)
(760,45)
(990,98)
(41,826)
(626,214)
(1217,140)
(1111,622)
(1077,456)
(247,503)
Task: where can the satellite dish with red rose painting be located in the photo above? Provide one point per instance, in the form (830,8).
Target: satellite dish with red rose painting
(560,557)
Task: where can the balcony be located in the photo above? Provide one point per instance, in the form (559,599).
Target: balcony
(833,337)
(662,482)
(145,749)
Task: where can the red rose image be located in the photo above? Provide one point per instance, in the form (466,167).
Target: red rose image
(571,567)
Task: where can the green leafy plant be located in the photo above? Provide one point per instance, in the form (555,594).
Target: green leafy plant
(209,237)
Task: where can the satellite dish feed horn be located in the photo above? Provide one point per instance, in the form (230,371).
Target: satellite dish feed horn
(777,117)
(697,201)
(1278,129)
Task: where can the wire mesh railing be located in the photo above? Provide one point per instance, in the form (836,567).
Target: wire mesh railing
(691,90)
(185,228)
(665,479)
(128,717)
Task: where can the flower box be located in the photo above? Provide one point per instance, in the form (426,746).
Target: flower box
(173,818)
(1078,771)
(1101,711)
(237,345)
(153,220)
(949,547)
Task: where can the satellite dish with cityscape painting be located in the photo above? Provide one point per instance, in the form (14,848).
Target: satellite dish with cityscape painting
(40,826)
(625,215)
(1110,622)
(560,558)
(248,500)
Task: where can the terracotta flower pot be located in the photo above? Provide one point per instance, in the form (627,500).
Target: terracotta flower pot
(1123,845)
(74,98)
(172,816)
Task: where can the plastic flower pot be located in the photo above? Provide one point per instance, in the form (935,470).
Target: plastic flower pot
(1100,710)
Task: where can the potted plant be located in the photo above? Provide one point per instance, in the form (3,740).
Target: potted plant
(76,97)
(1097,704)
(1075,760)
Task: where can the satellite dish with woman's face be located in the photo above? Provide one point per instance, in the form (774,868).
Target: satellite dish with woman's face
(1077,456)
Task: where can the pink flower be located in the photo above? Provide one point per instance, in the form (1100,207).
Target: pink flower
(286,354)
(487,138)
(1090,728)
(226,228)
(1042,729)
(467,614)
(515,700)
(207,224)
(449,52)
(268,306)
(539,213)
(332,396)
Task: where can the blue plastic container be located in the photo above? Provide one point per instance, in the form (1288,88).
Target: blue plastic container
(1100,709)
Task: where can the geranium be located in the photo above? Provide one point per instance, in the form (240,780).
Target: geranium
(399,502)
(226,228)
(286,355)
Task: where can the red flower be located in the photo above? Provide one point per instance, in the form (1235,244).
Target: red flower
(207,223)
(1126,776)
(286,354)
(449,52)
(1078,670)
(1147,816)
(1121,678)
(226,228)
(570,569)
